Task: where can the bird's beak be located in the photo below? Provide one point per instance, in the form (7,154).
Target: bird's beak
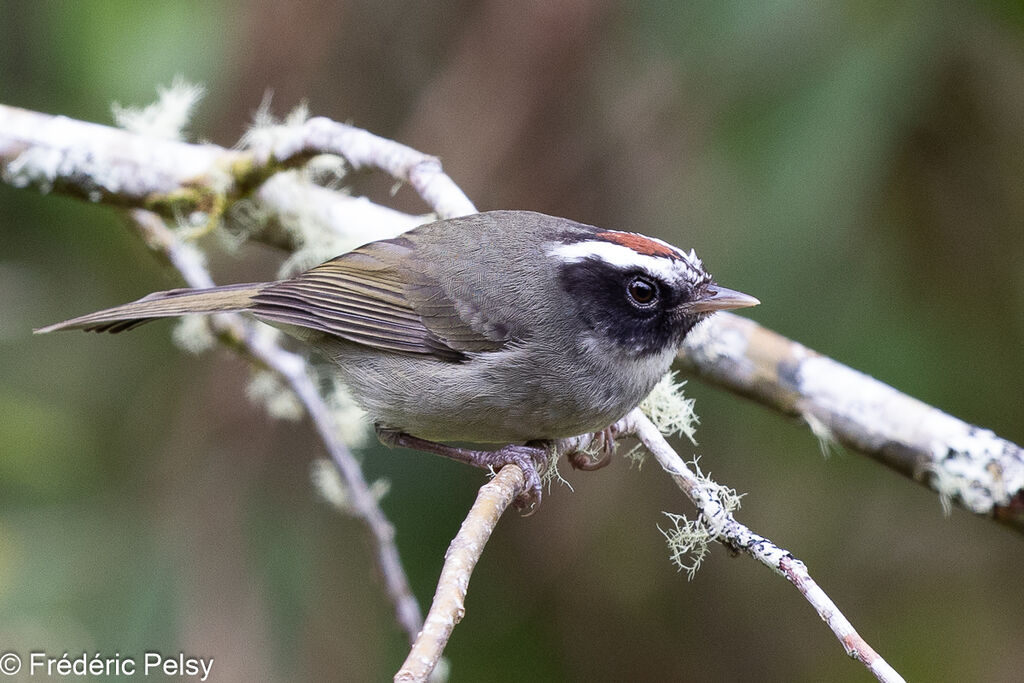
(721,299)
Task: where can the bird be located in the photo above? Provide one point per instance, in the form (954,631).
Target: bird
(506,328)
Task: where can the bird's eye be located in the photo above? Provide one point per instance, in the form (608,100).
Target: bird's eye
(641,291)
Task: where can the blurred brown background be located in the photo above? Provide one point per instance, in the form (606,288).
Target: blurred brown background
(855,165)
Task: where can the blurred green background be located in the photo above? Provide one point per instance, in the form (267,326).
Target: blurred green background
(855,165)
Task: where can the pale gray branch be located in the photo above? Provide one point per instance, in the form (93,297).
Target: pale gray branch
(362,149)
(964,464)
(718,520)
(449,604)
(104,164)
(121,168)
(968,465)
(289,199)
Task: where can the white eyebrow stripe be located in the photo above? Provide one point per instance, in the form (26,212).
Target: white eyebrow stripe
(624,257)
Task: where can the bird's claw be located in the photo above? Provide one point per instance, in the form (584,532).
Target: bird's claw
(588,462)
(532,460)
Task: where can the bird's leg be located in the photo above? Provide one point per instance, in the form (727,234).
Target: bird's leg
(588,462)
(531,459)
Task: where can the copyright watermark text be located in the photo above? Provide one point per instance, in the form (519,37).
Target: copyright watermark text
(152,663)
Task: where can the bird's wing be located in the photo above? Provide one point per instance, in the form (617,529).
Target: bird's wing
(376,296)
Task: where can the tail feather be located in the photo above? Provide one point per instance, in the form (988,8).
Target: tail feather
(162,305)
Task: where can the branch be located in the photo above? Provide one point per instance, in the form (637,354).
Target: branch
(716,522)
(966,465)
(240,333)
(290,199)
(111,166)
(172,178)
(289,144)
(716,518)
(962,463)
(465,550)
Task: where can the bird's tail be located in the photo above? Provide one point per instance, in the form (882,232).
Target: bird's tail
(162,305)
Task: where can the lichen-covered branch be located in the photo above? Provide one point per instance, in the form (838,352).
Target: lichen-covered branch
(717,520)
(288,199)
(173,178)
(964,464)
(240,333)
(113,166)
(286,144)
(715,505)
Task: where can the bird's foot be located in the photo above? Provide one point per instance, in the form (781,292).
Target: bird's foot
(532,459)
(588,461)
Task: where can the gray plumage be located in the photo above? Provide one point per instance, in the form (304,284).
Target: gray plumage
(473,329)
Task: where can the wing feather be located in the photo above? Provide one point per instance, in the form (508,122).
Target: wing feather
(364,297)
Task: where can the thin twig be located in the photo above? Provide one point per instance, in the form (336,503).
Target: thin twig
(720,523)
(448,606)
(238,331)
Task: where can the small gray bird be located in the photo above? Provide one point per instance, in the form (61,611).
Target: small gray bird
(505,327)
